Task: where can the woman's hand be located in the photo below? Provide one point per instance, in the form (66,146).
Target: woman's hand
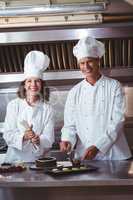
(36,140)
(29,134)
(90,153)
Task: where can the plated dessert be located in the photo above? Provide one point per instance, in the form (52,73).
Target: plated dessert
(74,167)
(8,167)
(44,163)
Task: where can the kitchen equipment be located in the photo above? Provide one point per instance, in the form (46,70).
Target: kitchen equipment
(71,170)
(70,155)
(26,126)
(76,162)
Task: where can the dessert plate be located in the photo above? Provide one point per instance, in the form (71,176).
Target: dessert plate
(34,167)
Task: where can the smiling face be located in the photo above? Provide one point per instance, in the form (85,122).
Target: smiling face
(33,86)
(90,67)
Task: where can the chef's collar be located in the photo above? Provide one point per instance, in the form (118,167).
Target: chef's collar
(86,83)
(37,104)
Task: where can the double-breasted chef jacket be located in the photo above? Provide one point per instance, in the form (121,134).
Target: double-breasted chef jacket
(40,117)
(94,115)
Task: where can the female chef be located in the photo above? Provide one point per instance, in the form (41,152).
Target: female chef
(29,124)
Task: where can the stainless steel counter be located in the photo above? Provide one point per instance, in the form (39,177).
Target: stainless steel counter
(109,173)
(112,178)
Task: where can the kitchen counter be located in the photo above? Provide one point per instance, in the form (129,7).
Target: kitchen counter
(111,178)
(108,173)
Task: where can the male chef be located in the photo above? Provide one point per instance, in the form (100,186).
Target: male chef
(94,110)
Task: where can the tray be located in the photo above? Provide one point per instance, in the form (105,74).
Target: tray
(71,170)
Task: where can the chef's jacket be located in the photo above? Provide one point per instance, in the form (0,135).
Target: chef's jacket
(40,117)
(94,115)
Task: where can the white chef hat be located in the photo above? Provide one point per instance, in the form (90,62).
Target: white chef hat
(35,63)
(88,47)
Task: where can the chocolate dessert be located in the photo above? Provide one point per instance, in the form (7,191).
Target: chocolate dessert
(76,163)
(8,167)
(46,162)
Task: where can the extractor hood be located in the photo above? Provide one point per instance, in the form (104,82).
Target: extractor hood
(47,13)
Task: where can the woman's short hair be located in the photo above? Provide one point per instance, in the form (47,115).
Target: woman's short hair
(44,93)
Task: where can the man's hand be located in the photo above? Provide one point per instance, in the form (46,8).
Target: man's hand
(65,146)
(90,153)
